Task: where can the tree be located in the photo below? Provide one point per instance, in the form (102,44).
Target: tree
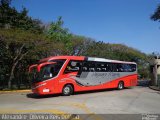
(156,15)
(59,34)
(80,44)
(11,18)
(17,45)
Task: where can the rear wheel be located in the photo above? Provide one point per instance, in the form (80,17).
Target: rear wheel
(120,85)
(67,90)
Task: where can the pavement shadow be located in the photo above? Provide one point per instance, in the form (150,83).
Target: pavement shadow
(143,83)
(98,91)
(35,96)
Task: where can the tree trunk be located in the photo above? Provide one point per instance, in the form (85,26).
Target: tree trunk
(11,75)
(17,58)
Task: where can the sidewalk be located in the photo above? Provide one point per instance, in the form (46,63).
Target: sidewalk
(155,88)
(14,91)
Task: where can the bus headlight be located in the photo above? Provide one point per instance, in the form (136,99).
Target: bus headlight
(45,90)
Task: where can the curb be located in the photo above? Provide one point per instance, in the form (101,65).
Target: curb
(154,88)
(14,91)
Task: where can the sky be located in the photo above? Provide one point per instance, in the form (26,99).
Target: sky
(112,21)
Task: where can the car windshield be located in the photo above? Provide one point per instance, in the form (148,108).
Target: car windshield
(47,71)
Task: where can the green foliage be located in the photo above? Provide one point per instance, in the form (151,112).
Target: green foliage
(11,18)
(80,44)
(57,33)
(156,15)
(17,46)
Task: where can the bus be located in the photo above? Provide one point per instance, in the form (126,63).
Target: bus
(69,74)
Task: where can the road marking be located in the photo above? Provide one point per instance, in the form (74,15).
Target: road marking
(14,91)
(55,111)
(81,106)
(86,109)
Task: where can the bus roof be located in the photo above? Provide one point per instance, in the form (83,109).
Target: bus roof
(84,58)
(62,57)
(108,60)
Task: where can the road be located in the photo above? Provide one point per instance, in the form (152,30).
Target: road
(136,100)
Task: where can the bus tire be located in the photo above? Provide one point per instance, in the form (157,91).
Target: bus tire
(120,85)
(67,90)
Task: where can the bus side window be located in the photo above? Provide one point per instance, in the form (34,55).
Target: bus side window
(88,66)
(107,67)
(91,66)
(98,67)
(101,67)
(133,67)
(73,66)
(120,67)
(115,67)
(124,67)
(111,67)
(91,69)
(127,67)
(85,67)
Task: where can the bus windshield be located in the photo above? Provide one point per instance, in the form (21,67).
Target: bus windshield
(47,71)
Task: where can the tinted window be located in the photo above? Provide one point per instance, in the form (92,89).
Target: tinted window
(48,71)
(120,67)
(133,67)
(101,67)
(92,66)
(73,66)
(58,65)
(88,66)
(114,65)
(128,67)
(85,67)
(110,67)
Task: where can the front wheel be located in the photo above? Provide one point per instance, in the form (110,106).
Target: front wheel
(67,90)
(120,85)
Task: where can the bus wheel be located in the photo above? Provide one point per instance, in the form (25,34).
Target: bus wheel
(120,85)
(67,90)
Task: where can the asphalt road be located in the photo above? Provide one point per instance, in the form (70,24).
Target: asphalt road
(136,100)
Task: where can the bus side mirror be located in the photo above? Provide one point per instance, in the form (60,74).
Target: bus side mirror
(32,67)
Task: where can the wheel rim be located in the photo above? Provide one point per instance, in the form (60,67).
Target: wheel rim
(120,86)
(66,90)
